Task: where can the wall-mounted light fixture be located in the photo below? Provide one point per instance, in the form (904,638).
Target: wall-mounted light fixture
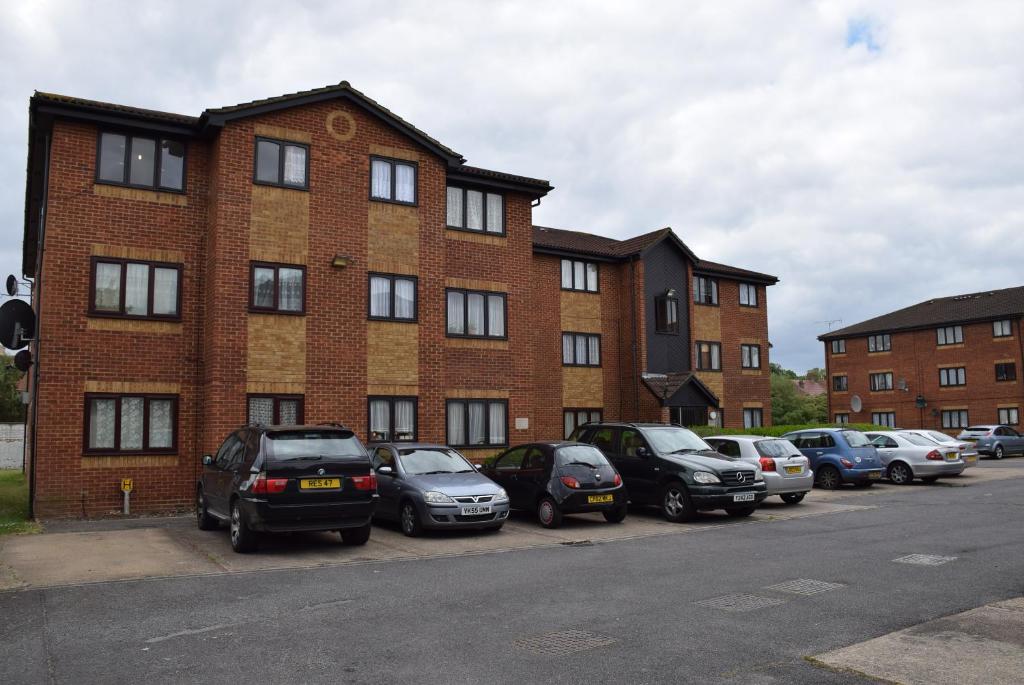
(340,261)
(671,292)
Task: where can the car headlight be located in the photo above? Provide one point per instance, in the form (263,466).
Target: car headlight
(705,477)
(758,476)
(502,496)
(434,497)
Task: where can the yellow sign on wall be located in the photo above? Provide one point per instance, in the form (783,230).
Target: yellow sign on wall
(126,485)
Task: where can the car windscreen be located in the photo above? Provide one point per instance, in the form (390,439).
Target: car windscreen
(776,448)
(287,445)
(580,455)
(421,461)
(918,440)
(856,439)
(939,437)
(669,440)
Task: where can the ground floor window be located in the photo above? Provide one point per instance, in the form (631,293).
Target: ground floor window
(131,423)
(477,422)
(842,418)
(1009,416)
(884,418)
(954,418)
(753,418)
(276,410)
(574,418)
(392,419)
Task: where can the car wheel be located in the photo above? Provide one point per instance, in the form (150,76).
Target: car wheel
(203,518)
(676,505)
(998,453)
(739,512)
(793,497)
(931,479)
(900,474)
(356,536)
(410,519)
(243,538)
(548,513)
(828,478)
(616,515)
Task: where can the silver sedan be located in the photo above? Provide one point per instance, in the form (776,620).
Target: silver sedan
(907,456)
(787,473)
(967,450)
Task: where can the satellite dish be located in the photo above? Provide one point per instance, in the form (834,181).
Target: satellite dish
(17,324)
(855,404)
(12,285)
(23,360)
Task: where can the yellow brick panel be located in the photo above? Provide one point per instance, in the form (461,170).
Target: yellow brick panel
(393,234)
(580,312)
(476,344)
(283,133)
(121,193)
(474,284)
(132,386)
(476,394)
(396,152)
(274,388)
(407,390)
(279,223)
(714,382)
(392,353)
(582,387)
(131,326)
(707,323)
(146,254)
(480,238)
(391,266)
(277,349)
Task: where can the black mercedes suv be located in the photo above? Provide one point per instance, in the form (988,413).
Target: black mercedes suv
(672,468)
(288,478)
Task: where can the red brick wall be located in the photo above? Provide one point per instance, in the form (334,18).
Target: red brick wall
(744,325)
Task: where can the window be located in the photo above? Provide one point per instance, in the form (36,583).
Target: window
(577,275)
(392,298)
(392,419)
(477,422)
(1001,329)
(842,419)
(281,163)
(276,410)
(950,335)
(881,381)
(879,343)
(141,162)
(750,356)
(476,210)
(884,418)
(666,314)
(278,288)
(709,356)
(705,290)
(574,418)
(1006,372)
(839,346)
(953,376)
(954,418)
(840,383)
(752,418)
(748,294)
(131,423)
(135,289)
(1009,416)
(475,314)
(393,180)
(581,349)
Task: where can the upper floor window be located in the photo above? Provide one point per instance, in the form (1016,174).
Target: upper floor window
(473,423)
(748,294)
(839,346)
(131,423)
(392,419)
(128,288)
(1006,371)
(840,383)
(750,356)
(950,335)
(879,343)
(393,180)
(141,161)
(705,290)
(581,349)
(475,210)
(278,288)
(276,410)
(1001,329)
(666,314)
(577,275)
(955,418)
(392,297)
(280,163)
(880,381)
(953,376)
(475,314)
(709,356)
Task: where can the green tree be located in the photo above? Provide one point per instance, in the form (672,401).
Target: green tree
(777,370)
(816,374)
(11,408)
(790,407)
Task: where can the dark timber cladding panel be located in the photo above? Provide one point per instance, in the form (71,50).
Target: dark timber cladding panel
(664,268)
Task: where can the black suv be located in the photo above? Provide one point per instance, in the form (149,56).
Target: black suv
(672,468)
(288,478)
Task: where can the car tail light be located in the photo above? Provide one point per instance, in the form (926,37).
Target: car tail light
(570,482)
(268,486)
(767,464)
(846,462)
(618,480)
(934,456)
(367,482)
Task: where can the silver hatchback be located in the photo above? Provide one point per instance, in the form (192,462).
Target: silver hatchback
(787,472)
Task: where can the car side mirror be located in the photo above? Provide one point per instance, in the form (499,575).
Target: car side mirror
(642,452)
(207,460)
(478,467)
(385,471)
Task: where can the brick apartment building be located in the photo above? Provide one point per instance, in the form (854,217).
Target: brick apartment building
(315,258)
(941,364)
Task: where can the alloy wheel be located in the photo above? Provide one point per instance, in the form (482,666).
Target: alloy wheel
(898,474)
(236,524)
(674,503)
(199,505)
(408,522)
(828,479)
(999,451)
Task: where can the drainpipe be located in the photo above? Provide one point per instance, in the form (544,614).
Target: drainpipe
(633,316)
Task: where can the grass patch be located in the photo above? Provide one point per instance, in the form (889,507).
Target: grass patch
(14,504)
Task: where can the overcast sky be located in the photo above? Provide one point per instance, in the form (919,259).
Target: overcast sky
(868,153)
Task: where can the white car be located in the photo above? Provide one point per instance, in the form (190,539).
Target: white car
(968,452)
(906,456)
(787,473)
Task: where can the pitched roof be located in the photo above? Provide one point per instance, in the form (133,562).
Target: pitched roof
(983,306)
(499,178)
(578,241)
(716,269)
(665,386)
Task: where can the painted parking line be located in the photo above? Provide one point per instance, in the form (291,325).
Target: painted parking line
(924,559)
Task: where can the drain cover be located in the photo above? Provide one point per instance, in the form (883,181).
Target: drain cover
(805,586)
(564,642)
(740,602)
(924,559)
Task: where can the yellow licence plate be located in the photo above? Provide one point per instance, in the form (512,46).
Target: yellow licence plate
(971,459)
(792,469)
(600,499)
(319,483)
(952,456)
(874,475)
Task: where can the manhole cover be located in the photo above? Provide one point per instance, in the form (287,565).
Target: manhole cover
(564,642)
(740,602)
(924,559)
(805,586)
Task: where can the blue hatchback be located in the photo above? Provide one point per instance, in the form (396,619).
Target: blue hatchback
(838,455)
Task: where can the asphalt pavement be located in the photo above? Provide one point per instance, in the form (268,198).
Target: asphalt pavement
(714,607)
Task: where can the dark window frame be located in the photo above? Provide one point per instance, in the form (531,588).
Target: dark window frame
(121,314)
(881,341)
(947,414)
(941,330)
(117,397)
(585,264)
(839,346)
(840,380)
(391,400)
(886,422)
(370,275)
(844,421)
(712,290)
(574,412)
(300,411)
(159,139)
(280,163)
(661,327)
(465,314)
(1004,367)
(956,374)
(752,288)
(488,401)
(575,335)
(759,411)
(276,266)
(1009,328)
(697,355)
(742,364)
(999,416)
(465,210)
(394,182)
(888,375)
